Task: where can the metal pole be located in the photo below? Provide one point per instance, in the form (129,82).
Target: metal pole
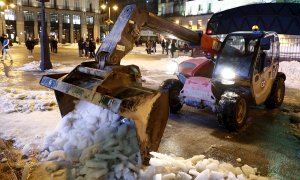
(109,12)
(2,23)
(45,54)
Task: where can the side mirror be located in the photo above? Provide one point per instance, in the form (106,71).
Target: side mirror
(265,44)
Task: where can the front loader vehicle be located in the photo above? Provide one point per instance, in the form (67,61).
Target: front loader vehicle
(106,83)
(244,73)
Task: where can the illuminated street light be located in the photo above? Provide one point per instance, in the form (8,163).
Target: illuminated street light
(109,21)
(115,7)
(103,6)
(12,5)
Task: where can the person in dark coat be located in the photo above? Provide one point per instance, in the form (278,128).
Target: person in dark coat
(54,43)
(154,46)
(92,48)
(167,46)
(86,48)
(173,48)
(163,46)
(51,43)
(80,47)
(30,46)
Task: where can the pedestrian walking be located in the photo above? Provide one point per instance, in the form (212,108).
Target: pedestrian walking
(54,44)
(30,46)
(92,47)
(173,48)
(163,46)
(167,46)
(51,39)
(86,47)
(149,45)
(80,47)
(5,48)
(154,46)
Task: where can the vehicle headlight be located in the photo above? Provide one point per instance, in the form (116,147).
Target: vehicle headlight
(172,67)
(228,76)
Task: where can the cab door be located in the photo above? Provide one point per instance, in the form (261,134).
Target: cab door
(263,73)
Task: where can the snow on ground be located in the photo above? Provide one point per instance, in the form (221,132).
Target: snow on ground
(198,167)
(34,66)
(292,72)
(28,130)
(18,100)
(166,65)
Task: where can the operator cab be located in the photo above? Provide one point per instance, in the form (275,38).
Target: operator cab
(247,59)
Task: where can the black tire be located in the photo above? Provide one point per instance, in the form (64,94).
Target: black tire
(173,86)
(233,111)
(277,94)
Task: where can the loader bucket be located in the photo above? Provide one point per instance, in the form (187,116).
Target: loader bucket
(118,91)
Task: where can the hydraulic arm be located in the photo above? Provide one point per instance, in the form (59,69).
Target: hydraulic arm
(127,30)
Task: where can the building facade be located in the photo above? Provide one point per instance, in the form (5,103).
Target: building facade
(66,20)
(194,14)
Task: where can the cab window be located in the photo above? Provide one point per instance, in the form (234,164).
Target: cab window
(268,54)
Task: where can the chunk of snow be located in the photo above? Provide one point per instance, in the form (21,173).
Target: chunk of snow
(169,176)
(248,170)
(203,175)
(184,176)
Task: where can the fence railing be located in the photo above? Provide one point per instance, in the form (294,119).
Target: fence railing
(289,49)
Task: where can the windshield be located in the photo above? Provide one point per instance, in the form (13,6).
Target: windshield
(237,54)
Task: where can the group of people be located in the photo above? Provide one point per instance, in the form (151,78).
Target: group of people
(151,46)
(165,47)
(87,48)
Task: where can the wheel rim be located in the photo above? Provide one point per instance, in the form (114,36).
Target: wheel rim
(279,94)
(241,111)
(174,97)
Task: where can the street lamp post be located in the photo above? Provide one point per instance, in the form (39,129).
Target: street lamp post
(45,54)
(109,21)
(2,19)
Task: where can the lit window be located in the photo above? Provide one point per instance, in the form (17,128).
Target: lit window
(54,18)
(66,18)
(10,14)
(190,24)
(76,19)
(89,20)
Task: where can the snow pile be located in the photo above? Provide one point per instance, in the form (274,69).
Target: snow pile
(34,66)
(198,168)
(292,71)
(103,143)
(165,65)
(18,100)
(28,130)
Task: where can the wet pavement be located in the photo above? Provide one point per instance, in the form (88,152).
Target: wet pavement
(267,143)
